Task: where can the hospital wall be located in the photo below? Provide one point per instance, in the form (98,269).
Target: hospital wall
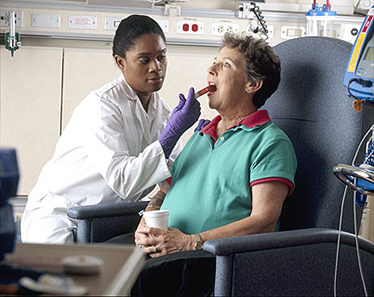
(49,76)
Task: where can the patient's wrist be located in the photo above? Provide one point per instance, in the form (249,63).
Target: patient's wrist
(152,207)
(156,201)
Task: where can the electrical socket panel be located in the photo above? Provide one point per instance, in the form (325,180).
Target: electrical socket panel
(256,31)
(164,24)
(289,32)
(4,21)
(112,23)
(190,27)
(219,29)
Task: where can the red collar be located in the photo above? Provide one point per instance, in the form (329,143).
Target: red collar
(257,118)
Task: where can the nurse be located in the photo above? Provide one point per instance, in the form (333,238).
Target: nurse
(120,142)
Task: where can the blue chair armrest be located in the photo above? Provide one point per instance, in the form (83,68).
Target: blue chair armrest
(283,239)
(290,263)
(98,223)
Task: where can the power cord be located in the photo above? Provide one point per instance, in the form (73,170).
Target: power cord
(355,225)
(258,13)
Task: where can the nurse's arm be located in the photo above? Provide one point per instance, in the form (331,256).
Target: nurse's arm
(267,202)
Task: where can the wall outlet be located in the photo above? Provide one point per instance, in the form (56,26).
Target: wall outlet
(190,27)
(219,29)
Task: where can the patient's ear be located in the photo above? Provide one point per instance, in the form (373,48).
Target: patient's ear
(253,87)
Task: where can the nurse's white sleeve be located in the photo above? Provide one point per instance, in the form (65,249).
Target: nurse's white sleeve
(113,144)
(130,175)
(175,153)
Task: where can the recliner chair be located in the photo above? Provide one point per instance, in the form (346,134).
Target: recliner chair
(311,106)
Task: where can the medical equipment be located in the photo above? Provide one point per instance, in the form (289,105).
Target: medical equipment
(9,177)
(359,75)
(210,88)
(249,10)
(359,79)
(319,20)
(359,177)
(12,38)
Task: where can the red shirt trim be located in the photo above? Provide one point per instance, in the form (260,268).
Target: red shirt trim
(270,179)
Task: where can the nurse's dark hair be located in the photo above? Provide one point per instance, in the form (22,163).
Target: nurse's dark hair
(261,62)
(130,30)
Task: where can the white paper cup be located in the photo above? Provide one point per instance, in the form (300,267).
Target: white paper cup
(157,218)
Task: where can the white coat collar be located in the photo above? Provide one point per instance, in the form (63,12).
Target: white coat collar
(130,93)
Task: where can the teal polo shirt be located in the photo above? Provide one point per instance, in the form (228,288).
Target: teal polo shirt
(211,178)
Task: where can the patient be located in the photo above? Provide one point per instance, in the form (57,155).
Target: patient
(232,177)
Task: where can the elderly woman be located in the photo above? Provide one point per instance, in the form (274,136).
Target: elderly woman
(231,178)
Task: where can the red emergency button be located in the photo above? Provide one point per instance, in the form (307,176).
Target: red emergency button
(195,28)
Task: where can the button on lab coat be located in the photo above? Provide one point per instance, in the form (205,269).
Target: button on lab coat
(109,152)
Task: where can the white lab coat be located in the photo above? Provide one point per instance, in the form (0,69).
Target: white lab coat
(108,152)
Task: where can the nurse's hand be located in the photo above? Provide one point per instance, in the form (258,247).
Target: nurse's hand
(158,242)
(183,117)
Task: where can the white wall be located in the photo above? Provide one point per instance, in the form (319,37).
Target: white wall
(30,93)
(41,86)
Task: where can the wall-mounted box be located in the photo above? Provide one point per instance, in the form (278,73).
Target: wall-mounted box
(112,23)
(289,32)
(45,20)
(82,22)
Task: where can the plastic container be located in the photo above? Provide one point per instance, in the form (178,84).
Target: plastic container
(320,21)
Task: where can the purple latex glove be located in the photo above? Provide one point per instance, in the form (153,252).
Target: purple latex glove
(201,124)
(183,117)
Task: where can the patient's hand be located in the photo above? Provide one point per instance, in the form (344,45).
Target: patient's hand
(140,236)
(158,242)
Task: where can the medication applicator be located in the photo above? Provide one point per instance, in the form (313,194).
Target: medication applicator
(210,88)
